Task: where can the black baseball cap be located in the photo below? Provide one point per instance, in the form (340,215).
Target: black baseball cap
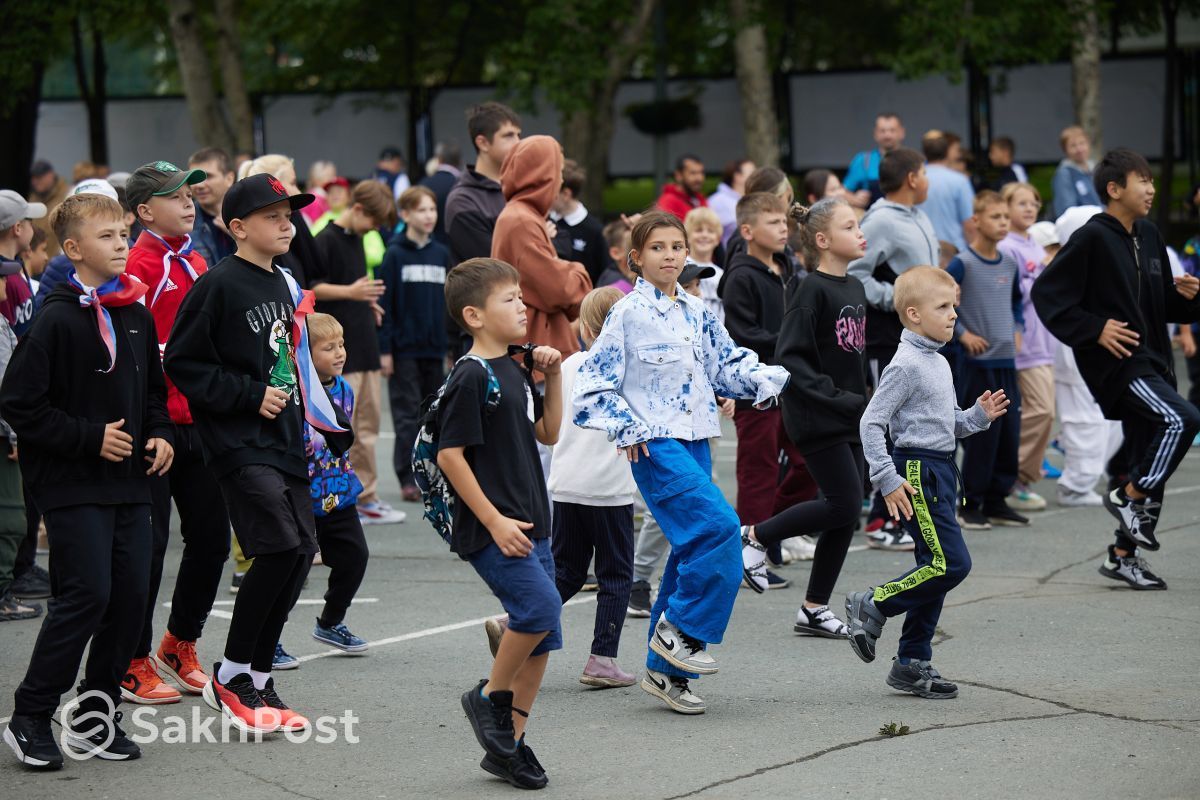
(156,179)
(691,270)
(258,191)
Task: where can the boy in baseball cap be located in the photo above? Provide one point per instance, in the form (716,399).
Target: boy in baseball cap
(239,354)
(16,232)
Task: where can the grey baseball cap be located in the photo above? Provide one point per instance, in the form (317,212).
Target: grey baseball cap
(14,208)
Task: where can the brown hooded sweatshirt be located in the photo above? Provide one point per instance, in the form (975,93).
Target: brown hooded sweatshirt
(552,288)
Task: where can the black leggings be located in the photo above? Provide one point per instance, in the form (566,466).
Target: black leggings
(344,551)
(838,471)
(268,592)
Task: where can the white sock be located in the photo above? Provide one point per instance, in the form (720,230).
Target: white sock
(259,678)
(229,670)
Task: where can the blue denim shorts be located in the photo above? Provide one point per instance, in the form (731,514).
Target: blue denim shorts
(525,587)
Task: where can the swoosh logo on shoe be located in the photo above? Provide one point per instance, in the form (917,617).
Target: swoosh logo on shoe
(21,738)
(661,685)
(667,643)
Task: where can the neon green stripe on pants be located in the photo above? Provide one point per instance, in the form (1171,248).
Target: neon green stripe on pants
(937,567)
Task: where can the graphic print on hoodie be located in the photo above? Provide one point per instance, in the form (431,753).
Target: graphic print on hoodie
(552,288)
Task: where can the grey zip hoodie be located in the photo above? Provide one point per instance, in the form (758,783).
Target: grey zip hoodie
(915,400)
(899,237)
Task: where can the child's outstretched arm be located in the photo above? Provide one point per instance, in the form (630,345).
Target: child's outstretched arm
(735,371)
(597,402)
(990,406)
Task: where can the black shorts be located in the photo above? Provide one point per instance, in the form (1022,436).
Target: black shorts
(271,511)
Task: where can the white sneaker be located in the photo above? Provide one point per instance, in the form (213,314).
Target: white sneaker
(680,650)
(379,513)
(1073,499)
(890,537)
(673,691)
(798,548)
(1022,499)
(754,563)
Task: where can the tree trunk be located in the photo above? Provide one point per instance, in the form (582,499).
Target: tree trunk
(18,133)
(208,123)
(587,133)
(1170,10)
(233,76)
(759,122)
(92,91)
(1085,70)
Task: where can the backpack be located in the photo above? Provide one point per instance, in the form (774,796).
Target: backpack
(437,495)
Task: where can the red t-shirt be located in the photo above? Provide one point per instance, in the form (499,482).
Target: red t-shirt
(146,264)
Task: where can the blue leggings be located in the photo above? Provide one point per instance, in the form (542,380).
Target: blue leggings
(704,570)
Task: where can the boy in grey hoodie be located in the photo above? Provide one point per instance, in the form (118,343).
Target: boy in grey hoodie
(899,237)
(918,479)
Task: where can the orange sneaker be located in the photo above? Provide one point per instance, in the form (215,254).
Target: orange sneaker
(241,704)
(142,684)
(289,720)
(177,658)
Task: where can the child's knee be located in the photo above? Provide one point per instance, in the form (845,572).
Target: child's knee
(958,569)
(1191,420)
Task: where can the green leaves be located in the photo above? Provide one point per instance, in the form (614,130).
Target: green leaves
(894,729)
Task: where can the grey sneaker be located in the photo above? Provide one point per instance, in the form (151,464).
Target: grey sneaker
(680,650)
(673,691)
(1132,569)
(866,623)
(920,678)
(1069,498)
(1137,517)
(754,563)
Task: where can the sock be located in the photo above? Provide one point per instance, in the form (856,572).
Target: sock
(229,670)
(904,662)
(259,678)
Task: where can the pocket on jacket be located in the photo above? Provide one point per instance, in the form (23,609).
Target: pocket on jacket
(656,354)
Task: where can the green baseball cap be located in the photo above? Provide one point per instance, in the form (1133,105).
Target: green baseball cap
(158,178)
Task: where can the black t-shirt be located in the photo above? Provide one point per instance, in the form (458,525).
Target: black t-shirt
(343,262)
(501,449)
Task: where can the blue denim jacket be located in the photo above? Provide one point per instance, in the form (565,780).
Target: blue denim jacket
(656,366)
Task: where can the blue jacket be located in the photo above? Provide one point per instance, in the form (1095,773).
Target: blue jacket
(414,301)
(333,483)
(54,274)
(1072,187)
(209,240)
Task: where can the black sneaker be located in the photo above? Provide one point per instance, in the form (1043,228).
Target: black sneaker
(1132,569)
(1001,513)
(33,584)
(522,770)
(972,518)
(590,584)
(32,741)
(491,719)
(777,581)
(1138,518)
(639,599)
(99,735)
(920,678)
(890,536)
(11,608)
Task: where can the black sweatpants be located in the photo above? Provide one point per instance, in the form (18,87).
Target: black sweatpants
(268,592)
(1159,426)
(991,457)
(344,551)
(413,380)
(578,533)
(27,549)
(99,574)
(838,471)
(204,526)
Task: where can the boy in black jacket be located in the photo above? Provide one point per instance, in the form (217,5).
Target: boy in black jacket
(1109,295)
(752,290)
(244,366)
(85,394)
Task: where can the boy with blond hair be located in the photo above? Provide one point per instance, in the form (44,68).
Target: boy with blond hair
(345,291)
(703,228)
(915,403)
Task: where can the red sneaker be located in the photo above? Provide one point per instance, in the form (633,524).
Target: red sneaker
(874,524)
(289,720)
(177,658)
(240,702)
(142,684)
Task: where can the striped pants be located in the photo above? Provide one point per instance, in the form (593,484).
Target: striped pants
(605,532)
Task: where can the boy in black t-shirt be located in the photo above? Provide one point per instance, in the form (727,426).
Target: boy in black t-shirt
(349,295)
(502,523)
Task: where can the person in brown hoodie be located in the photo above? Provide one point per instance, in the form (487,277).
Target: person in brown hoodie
(553,288)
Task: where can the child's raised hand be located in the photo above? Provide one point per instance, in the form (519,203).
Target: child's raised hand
(995,404)
(509,536)
(631,452)
(547,360)
(1188,286)
(365,290)
(898,503)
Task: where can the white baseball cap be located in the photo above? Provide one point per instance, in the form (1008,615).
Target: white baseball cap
(1044,233)
(14,209)
(95,186)
(1073,219)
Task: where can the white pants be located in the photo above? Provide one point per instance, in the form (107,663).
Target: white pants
(1088,439)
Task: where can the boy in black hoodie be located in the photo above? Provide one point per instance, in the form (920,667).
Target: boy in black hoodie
(1109,295)
(752,290)
(239,353)
(85,394)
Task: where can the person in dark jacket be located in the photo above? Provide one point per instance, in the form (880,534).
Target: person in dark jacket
(442,182)
(821,345)
(753,289)
(85,395)
(476,200)
(1109,295)
(412,338)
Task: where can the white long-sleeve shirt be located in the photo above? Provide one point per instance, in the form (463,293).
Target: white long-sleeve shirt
(656,366)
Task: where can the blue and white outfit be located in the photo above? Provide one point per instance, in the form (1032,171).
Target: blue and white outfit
(651,377)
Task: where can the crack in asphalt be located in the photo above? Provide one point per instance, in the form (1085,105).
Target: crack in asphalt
(277,784)
(1077,709)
